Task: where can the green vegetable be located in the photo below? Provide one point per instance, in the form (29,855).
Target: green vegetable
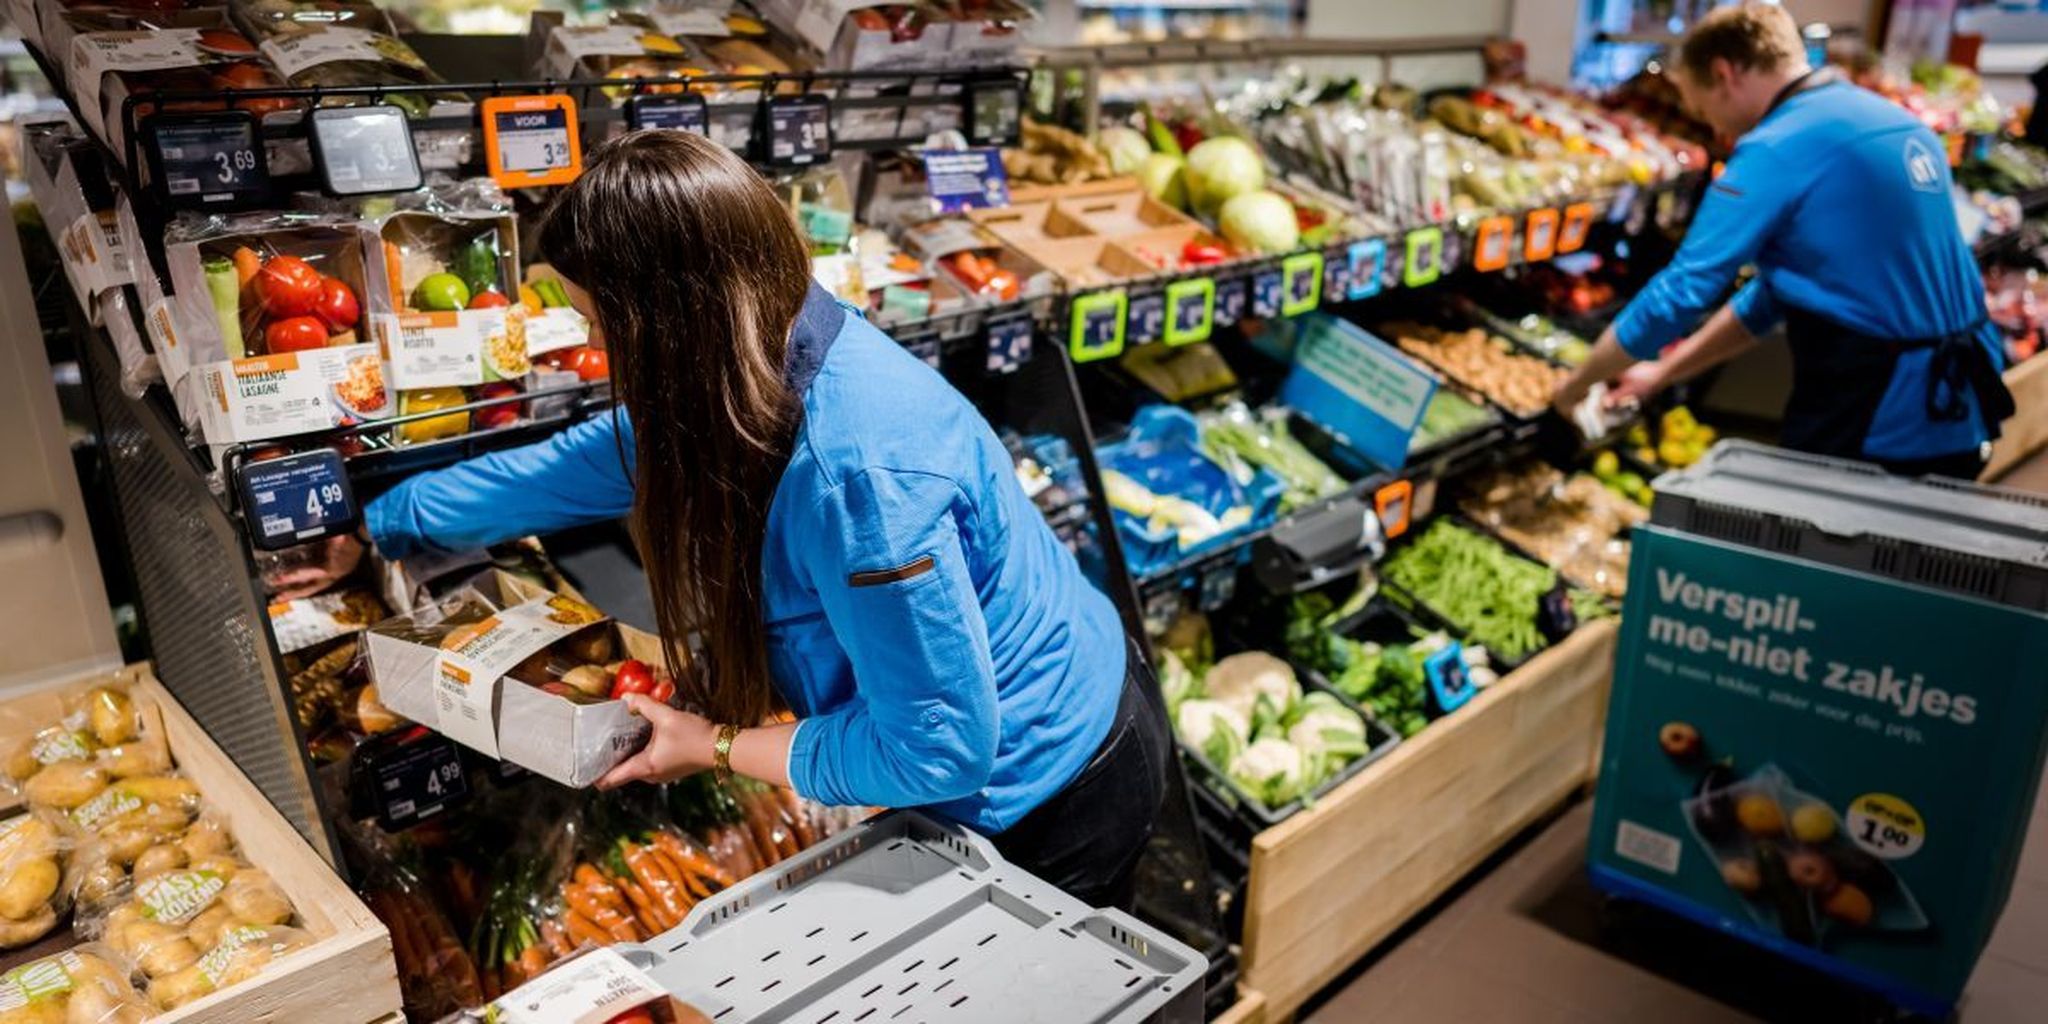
(1476,585)
(1233,434)
(1447,415)
(1126,149)
(551,294)
(1161,136)
(224,288)
(477,264)
(1222,168)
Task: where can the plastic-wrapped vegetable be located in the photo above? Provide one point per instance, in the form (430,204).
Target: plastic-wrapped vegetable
(314,43)
(32,890)
(1243,441)
(78,986)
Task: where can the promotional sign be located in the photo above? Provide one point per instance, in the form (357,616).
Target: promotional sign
(966,179)
(1358,386)
(1788,759)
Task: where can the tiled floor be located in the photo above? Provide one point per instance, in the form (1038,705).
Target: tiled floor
(1528,939)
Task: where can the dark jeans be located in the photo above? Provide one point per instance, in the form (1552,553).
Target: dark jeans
(1087,837)
(1960,466)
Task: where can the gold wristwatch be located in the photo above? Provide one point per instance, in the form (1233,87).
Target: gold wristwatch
(721,752)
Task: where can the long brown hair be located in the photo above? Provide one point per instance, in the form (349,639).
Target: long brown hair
(696,273)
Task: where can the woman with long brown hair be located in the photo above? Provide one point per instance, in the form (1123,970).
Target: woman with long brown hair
(836,524)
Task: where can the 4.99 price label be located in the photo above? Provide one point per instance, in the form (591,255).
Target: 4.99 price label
(1885,825)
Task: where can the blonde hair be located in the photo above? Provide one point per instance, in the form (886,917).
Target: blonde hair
(1750,36)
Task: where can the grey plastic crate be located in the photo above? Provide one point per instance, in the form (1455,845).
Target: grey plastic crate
(903,919)
(1964,538)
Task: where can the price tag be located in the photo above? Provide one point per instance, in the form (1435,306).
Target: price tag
(1368,264)
(1191,310)
(674,113)
(1394,504)
(594,988)
(1425,254)
(995,110)
(1539,235)
(531,140)
(1449,685)
(798,130)
(1230,301)
(210,161)
(364,150)
(1009,343)
(924,347)
(1623,206)
(1886,826)
(297,499)
(1146,321)
(1219,585)
(1266,294)
(1095,329)
(1302,283)
(1555,616)
(966,179)
(404,778)
(1492,243)
(1578,220)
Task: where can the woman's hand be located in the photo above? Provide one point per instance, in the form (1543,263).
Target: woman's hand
(680,746)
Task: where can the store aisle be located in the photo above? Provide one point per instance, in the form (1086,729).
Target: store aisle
(1529,940)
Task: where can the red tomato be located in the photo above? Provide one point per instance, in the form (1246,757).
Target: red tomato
(589,363)
(492,299)
(288,286)
(640,1016)
(633,677)
(337,307)
(664,690)
(493,416)
(295,334)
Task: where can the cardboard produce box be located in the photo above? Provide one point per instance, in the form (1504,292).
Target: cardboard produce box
(467,667)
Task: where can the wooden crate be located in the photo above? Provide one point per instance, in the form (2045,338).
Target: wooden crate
(1332,882)
(348,975)
(1250,1008)
(2027,431)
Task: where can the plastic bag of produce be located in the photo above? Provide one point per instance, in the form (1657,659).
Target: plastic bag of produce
(238,953)
(112,54)
(337,44)
(166,923)
(33,893)
(85,985)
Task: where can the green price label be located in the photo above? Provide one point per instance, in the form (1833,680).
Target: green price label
(1301,283)
(1095,328)
(1425,262)
(1190,310)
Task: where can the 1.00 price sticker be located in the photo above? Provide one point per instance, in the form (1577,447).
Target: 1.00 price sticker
(1886,826)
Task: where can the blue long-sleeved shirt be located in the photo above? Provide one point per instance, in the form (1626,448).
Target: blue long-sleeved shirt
(975,687)
(1842,201)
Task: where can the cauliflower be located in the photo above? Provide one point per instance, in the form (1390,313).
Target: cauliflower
(1215,729)
(1176,682)
(1328,732)
(1272,770)
(1243,680)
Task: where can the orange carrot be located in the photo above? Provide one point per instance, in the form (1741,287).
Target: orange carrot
(648,870)
(247,264)
(644,908)
(583,930)
(806,836)
(394,274)
(692,859)
(557,938)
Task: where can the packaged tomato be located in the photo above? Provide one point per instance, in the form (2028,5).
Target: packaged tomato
(318,43)
(450,259)
(274,312)
(117,53)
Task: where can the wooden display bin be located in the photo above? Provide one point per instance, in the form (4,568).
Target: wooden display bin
(347,976)
(1250,1008)
(1332,882)
(2027,431)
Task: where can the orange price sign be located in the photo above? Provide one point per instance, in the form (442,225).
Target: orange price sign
(1394,504)
(1493,243)
(1578,219)
(1539,238)
(531,140)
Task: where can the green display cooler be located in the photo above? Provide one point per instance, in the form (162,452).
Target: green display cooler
(1829,714)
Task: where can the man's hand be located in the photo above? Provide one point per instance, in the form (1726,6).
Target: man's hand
(680,746)
(339,556)
(1568,396)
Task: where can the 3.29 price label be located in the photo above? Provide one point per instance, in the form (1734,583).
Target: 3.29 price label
(1886,825)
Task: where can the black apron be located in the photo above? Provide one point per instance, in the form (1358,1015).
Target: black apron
(1840,376)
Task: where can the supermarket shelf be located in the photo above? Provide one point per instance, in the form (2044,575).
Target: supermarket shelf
(1137,55)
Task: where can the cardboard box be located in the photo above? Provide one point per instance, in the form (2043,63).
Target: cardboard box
(445,666)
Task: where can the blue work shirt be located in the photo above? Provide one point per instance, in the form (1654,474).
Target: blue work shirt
(1842,201)
(937,642)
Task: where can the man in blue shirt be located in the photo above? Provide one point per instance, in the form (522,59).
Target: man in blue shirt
(1842,202)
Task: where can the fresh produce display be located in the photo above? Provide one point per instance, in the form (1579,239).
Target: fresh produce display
(1250,717)
(1169,499)
(1607,469)
(2018,304)
(314,43)
(1449,414)
(1675,441)
(1574,524)
(1520,383)
(1386,679)
(1477,586)
(1052,155)
(33,852)
(1241,440)
(1533,330)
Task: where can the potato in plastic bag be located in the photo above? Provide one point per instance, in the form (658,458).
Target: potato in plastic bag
(60,742)
(32,890)
(85,985)
(162,805)
(241,954)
